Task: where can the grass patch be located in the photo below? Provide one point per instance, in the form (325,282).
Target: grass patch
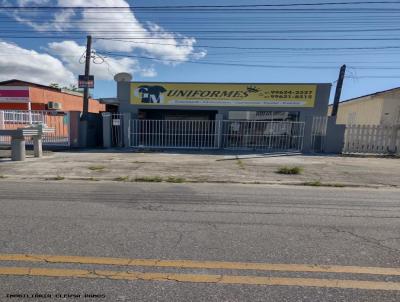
(240,163)
(58,177)
(290,170)
(121,178)
(92,179)
(174,179)
(2,176)
(96,168)
(338,185)
(317,183)
(149,179)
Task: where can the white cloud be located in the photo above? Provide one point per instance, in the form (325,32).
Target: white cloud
(29,65)
(148,72)
(59,16)
(32,2)
(149,38)
(69,53)
(62,64)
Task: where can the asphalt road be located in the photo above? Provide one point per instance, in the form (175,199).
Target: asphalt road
(240,242)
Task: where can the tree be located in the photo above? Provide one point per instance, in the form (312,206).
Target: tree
(54,85)
(71,87)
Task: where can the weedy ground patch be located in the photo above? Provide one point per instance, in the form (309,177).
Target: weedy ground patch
(290,170)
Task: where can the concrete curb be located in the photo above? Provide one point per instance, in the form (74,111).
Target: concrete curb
(337,185)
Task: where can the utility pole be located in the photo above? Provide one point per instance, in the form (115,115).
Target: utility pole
(85,110)
(338,91)
(83,125)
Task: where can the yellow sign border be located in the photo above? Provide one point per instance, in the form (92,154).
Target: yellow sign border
(223,95)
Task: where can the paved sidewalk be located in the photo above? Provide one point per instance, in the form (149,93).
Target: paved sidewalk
(101,165)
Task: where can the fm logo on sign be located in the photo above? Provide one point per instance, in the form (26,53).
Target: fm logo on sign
(150,94)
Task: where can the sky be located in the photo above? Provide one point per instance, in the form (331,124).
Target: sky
(194,41)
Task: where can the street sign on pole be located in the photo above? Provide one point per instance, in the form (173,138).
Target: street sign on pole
(86,81)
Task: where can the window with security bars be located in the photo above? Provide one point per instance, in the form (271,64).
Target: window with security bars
(23,117)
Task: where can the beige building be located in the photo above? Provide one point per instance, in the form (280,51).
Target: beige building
(380,108)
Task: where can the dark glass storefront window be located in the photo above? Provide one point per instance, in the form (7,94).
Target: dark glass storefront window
(157,114)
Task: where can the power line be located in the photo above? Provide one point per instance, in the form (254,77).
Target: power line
(374,77)
(208,63)
(254,19)
(258,10)
(202,6)
(211,31)
(245,10)
(210,38)
(241,65)
(258,48)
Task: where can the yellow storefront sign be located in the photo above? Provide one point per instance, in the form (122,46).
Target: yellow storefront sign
(246,95)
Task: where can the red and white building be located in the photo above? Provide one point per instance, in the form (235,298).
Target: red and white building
(22,95)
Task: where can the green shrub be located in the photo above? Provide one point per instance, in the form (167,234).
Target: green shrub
(58,177)
(290,170)
(240,163)
(96,168)
(149,179)
(121,178)
(174,179)
(315,183)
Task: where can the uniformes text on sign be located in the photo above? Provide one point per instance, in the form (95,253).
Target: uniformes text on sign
(204,94)
(14,94)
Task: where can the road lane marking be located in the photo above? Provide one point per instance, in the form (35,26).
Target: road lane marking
(203,264)
(199,278)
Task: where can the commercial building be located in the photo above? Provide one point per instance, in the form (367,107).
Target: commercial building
(211,101)
(259,116)
(379,108)
(22,95)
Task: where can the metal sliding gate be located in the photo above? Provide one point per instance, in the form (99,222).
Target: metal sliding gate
(117,126)
(181,134)
(263,135)
(318,133)
(230,134)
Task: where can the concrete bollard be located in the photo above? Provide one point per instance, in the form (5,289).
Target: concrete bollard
(18,149)
(37,146)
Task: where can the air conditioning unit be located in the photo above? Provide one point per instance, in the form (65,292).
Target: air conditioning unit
(54,105)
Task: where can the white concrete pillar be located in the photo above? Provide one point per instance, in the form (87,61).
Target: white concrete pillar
(219,120)
(37,146)
(2,119)
(126,123)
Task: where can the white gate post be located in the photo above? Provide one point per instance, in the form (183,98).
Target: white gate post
(218,130)
(307,139)
(38,146)
(2,119)
(69,128)
(126,122)
(30,112)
